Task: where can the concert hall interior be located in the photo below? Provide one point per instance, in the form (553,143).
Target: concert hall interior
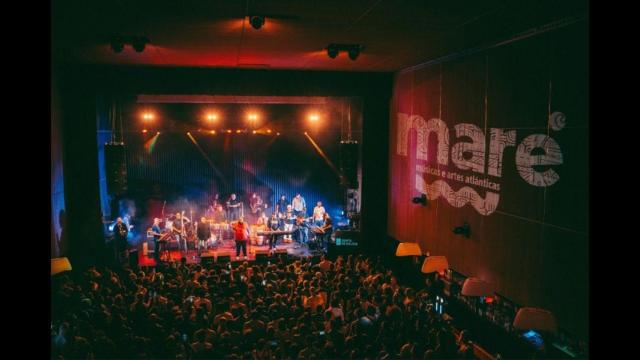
(366,179)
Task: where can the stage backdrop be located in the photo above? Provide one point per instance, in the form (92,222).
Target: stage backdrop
(499,140)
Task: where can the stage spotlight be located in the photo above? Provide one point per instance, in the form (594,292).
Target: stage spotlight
(212,117)
(314,117)
(269,131)
(278,134)
(228,131)
(213,132)
(254,131)
(257,22)
(117,46)
(144,131)
(354,52)
(238,131)
(139,44)
(332,51)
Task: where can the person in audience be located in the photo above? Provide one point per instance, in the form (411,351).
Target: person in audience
(351,308)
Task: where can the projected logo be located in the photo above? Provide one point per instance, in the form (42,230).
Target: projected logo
(482,169)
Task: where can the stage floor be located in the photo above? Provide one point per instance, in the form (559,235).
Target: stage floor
(228,247)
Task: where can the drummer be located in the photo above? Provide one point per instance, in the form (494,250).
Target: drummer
(203,232)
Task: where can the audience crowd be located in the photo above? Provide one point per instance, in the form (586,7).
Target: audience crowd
(350,308)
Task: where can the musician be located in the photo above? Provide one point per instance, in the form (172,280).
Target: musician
(210,211)
(281,205)
(318,214)
(233,208)
(157,233)
(216,201)
(179,228)
(273,224)
(257,205)
(261,225)
(203,231)
(263,219)
(299,205)
(241,234)
(120,232)
(254,202)
(289,221)
(303,230)
(327,229)
(219,216)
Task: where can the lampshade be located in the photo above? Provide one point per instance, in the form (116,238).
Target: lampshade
(435,263)
(408,249)
(59,265)
(475,287)
(529,318)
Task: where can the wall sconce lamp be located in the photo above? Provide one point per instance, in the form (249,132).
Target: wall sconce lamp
(422,199)
(464,230)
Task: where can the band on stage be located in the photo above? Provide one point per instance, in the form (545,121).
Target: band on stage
(227,221)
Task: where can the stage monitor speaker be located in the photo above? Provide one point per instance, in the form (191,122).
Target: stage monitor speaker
(262,256)
(224,258)
(116,168)
(207,260)
(349,153)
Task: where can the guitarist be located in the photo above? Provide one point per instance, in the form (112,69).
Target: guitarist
(157,234)
(326,230)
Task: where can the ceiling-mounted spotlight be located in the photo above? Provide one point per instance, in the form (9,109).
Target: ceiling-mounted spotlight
(332,51)
(354,52)
(117,45)
(256,21)
(139,43)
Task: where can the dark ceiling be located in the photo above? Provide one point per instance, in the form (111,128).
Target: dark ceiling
(395,33)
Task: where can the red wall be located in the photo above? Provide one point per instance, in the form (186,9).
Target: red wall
(532,243)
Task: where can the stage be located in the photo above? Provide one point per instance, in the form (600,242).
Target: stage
(226,248)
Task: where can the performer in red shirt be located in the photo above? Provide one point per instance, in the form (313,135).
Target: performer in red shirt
(241,234)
